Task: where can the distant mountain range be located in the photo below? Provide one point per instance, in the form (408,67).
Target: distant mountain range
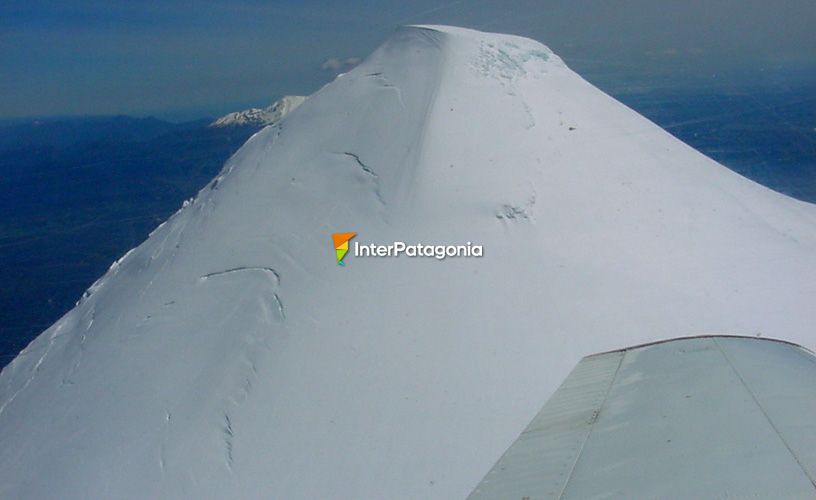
(62,132)
(261,116)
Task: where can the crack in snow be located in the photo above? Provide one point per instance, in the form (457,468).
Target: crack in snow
(386,84)
(163,450)
(511,212)
(280,306)
(240,269)
(516,212)
(362,165)
(229,435)
(66,379)
(54,336)
(371,173)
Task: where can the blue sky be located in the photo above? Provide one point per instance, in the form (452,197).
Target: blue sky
(183,59)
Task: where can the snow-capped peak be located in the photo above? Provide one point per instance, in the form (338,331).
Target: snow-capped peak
(230,356)
(261,116)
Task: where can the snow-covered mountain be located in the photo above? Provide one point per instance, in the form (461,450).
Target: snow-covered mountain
(229,356)
(259,116)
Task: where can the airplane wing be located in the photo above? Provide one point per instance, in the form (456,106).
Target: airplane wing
(703,417)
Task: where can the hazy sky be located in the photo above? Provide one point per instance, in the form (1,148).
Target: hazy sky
(183,59)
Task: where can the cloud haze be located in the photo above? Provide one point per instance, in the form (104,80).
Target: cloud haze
(94,57)
(335,64)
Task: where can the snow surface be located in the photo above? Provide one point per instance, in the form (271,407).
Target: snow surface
(229,356)
(257,116)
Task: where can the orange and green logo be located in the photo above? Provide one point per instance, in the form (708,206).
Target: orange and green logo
(341,245)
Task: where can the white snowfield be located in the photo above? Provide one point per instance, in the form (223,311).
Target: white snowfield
(258,116)
(229,356)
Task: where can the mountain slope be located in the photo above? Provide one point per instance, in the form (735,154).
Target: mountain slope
(57,218)
(230,356)
(261,117)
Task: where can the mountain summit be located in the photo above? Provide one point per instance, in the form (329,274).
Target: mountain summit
(229,356)
(261,117)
